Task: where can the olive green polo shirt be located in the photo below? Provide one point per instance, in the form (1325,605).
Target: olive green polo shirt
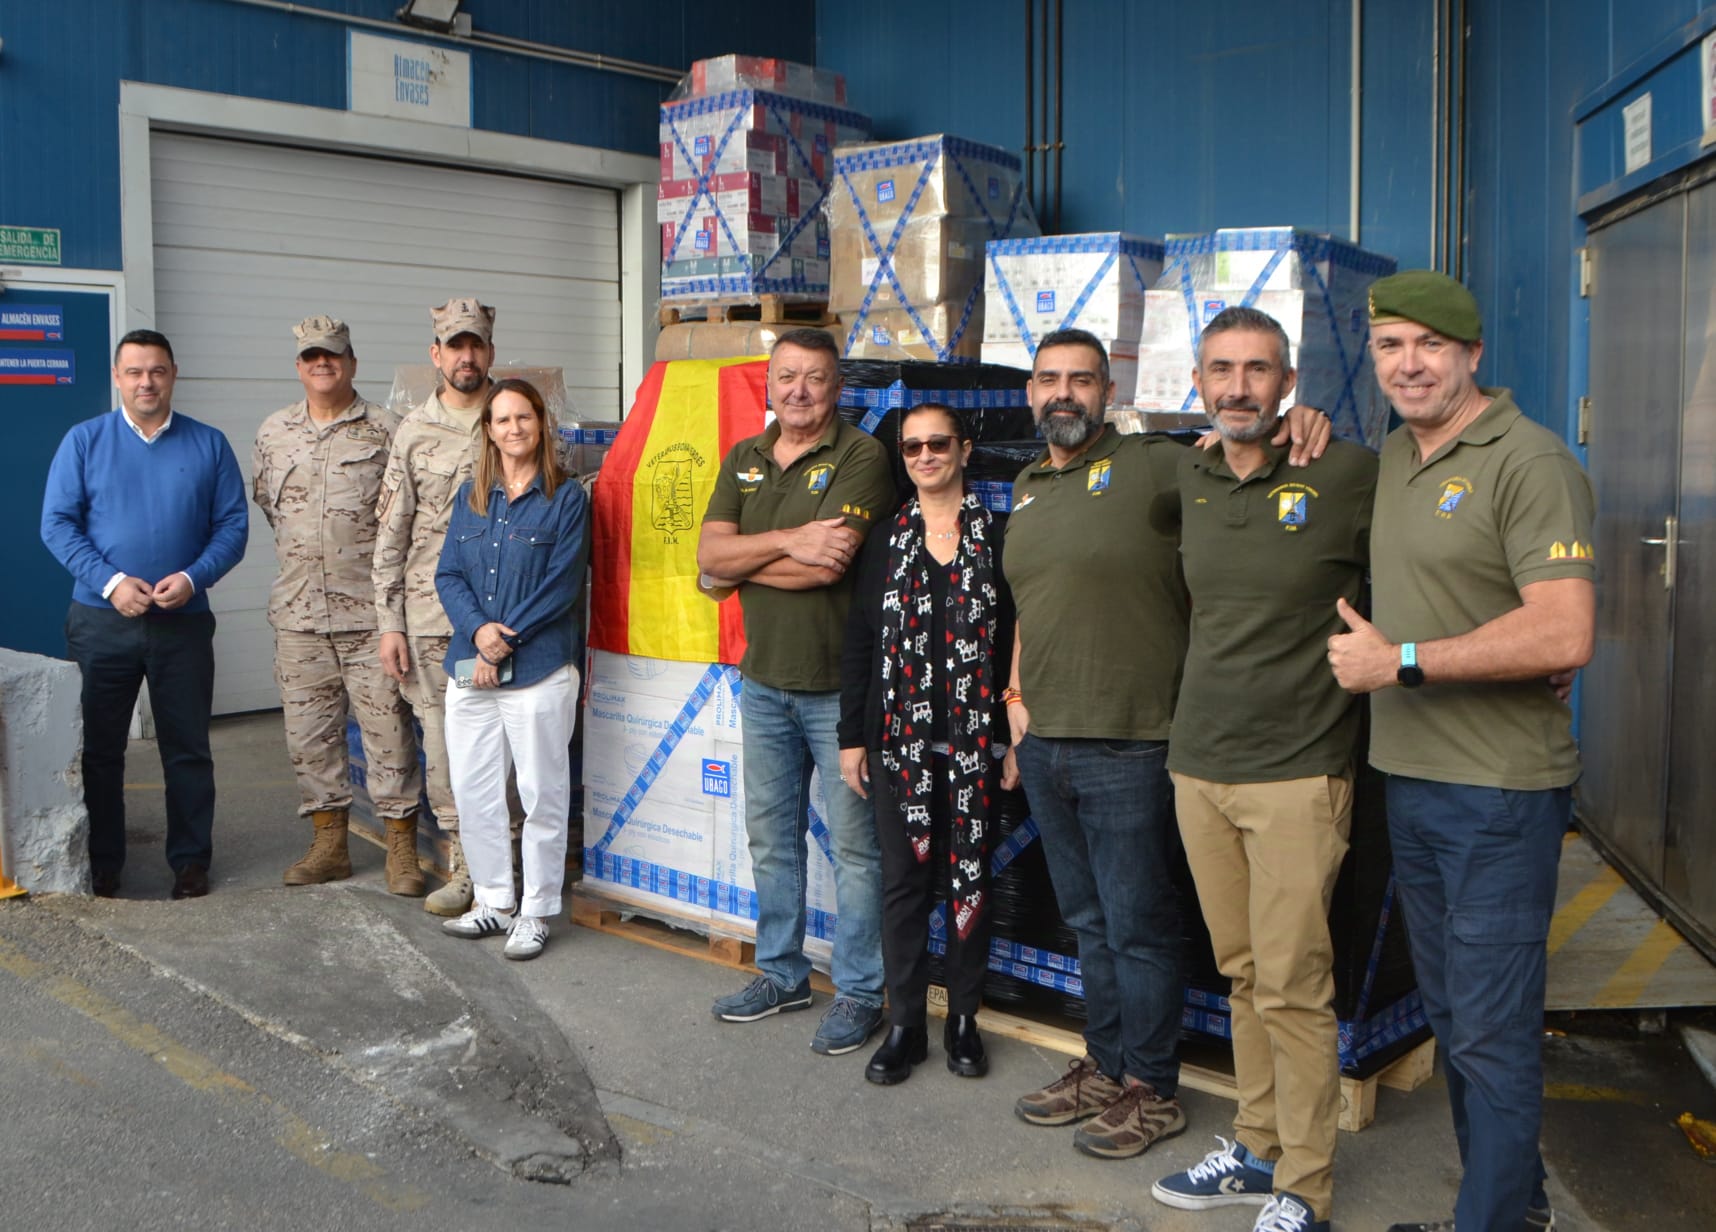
(1454,538)
(793,637)
(1265,558)
(1094,565)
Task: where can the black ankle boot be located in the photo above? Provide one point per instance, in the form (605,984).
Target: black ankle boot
(904,1048)
(965,1055)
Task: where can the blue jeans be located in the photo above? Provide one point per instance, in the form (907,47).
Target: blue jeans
(786,733)
(1106,812)
(1476,869)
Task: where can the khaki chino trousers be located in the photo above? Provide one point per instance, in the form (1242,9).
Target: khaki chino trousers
(1265,857)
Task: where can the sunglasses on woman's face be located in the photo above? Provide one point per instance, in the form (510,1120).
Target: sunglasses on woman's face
(911,448)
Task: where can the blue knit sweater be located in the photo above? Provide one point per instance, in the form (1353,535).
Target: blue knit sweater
(114,504)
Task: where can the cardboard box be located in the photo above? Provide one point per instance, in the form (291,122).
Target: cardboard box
(734,72)
(1095,282)
(894,334)
(729,157)
(909,222)
(1314,285)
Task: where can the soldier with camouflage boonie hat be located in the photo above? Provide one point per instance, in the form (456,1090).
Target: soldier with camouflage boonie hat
(317,468)
(433,452)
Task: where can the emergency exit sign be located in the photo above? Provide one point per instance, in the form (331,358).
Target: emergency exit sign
(30,245)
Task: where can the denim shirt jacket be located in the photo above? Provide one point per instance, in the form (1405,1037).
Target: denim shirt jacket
(522,565)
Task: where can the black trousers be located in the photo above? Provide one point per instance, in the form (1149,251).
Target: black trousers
(174,652)
(908,896)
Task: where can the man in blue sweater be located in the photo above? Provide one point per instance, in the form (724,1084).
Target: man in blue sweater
(145,508)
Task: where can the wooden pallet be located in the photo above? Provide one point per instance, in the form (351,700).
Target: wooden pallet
(769,309)
(688,936)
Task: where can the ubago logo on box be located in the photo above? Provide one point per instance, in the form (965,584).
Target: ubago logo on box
(718,779)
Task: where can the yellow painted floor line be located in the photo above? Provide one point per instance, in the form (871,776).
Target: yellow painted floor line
(201,1073)
(1627,984)
(1582,906)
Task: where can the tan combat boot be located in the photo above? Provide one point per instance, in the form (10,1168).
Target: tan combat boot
(454,898)
(403,875)
(328,858)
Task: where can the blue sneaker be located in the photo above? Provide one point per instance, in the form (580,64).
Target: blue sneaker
(845,1027)
(760,998)
(1287,1213)
(1224,1178)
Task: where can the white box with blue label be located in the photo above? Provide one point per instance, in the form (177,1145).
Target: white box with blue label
(1095,282)
(908,225)
(1314,285)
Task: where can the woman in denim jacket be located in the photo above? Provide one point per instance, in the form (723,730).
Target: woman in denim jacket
(510,578)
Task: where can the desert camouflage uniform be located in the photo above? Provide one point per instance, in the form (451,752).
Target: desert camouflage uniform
(317,485)
(432,455)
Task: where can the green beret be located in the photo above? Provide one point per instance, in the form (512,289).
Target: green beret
(1429,298)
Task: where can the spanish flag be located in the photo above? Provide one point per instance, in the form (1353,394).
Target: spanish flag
(649,500)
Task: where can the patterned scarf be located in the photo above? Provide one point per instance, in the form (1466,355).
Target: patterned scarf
(959,676)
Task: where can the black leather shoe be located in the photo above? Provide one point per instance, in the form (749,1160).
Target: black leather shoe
(965,1055)
(904,1048)
(191,881)
(104,882)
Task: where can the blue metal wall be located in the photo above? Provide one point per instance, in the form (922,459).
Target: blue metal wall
(1532,61)
(1145,87)
(63,62)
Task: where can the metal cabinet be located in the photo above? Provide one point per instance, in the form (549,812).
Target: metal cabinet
(1649,792)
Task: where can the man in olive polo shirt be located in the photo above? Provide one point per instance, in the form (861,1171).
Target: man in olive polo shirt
(1483,588)
(789,511)
(1261,761)
(1093,561)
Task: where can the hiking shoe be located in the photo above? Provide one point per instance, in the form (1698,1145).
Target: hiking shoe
(529,934)
(1222,1179)
(1136,1120)
(1287,1213)
(760,998)
(1083,1091)
(846,1027)
(479,921)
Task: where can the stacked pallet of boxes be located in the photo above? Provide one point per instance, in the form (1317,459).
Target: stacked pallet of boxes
(747,149)
(1094,282)
(1314,285)
(663,741)
(909,223)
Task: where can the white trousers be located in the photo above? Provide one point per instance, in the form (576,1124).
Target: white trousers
(530,727)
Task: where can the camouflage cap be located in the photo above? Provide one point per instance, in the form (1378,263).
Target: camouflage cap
(1428,298)
(322,334)
(463,315)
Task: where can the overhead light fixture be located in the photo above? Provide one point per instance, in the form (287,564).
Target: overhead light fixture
(441,16)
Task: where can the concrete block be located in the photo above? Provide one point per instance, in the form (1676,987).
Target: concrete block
(42,820)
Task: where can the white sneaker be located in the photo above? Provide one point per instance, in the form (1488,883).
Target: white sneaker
(479,921)
(529,934)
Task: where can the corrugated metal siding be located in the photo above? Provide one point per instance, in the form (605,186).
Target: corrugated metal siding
(59,85)
(1531,61)
(1176,117)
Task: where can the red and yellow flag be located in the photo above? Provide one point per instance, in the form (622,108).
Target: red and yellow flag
(649,500)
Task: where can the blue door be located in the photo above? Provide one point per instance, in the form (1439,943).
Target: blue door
(55,365)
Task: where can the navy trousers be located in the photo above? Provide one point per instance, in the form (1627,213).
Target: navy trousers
(1476,869)
(174,652)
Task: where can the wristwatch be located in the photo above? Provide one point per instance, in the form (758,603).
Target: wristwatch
(1410,675)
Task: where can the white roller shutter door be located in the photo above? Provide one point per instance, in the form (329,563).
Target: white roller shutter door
(250,239)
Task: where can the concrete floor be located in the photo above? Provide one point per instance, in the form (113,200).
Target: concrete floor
(692,1101)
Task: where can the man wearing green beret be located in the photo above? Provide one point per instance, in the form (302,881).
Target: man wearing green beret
(1482,581)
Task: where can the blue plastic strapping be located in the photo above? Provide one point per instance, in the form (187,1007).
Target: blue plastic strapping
(658,760)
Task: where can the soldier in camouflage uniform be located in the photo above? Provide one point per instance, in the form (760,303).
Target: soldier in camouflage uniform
(317,470)
(432,455)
